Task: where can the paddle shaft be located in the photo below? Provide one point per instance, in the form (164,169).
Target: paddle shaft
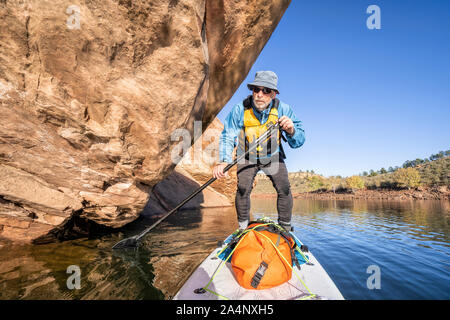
(266,135)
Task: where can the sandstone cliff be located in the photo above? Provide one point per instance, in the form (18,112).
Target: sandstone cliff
(90,92)
(194,170)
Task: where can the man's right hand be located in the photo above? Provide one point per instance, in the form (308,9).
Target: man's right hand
(218,170)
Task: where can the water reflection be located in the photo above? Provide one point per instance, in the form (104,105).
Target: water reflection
(162,263)
(40,272)
(422,213)
(409,240)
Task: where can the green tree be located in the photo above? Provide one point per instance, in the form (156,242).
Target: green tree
(439,155)
(407,164)
(407,177)
(354,182)
(383,170)
(315,182)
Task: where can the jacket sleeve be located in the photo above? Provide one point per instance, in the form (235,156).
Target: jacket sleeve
(298,138)
(231,128)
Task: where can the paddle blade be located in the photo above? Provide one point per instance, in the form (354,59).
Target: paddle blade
(128,243)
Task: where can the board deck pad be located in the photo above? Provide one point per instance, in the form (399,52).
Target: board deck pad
(225,286)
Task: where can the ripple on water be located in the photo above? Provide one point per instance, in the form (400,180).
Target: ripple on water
(409,241)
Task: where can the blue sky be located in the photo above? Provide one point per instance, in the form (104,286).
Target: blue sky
(367,98)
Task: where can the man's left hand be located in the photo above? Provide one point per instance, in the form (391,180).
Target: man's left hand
(287,125)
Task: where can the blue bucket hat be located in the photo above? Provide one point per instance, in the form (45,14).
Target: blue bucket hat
(267,79)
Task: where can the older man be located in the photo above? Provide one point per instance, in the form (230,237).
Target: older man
(245,123)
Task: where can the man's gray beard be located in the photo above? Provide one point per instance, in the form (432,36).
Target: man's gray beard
(262,107)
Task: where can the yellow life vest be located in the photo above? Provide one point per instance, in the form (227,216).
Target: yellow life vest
(253,129)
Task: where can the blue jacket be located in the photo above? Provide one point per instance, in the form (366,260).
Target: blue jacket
(234,123)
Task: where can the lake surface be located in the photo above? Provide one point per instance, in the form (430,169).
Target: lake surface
(406,241)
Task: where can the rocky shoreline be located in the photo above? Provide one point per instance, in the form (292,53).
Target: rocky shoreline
(421,193)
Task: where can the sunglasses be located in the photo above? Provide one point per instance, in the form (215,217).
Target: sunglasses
(264,90)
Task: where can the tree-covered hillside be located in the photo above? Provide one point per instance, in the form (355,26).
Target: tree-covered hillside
(429,172)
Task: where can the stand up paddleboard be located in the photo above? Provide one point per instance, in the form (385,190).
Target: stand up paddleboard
(214,279)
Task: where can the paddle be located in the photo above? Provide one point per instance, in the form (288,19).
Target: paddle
(133,242)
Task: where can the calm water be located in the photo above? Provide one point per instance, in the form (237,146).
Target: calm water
(407,240)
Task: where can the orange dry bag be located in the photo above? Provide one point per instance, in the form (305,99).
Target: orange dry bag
(262,258)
